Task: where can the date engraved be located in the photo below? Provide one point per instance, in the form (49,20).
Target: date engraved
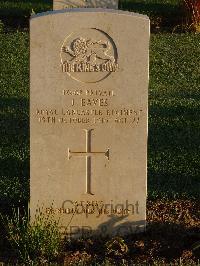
(125,116)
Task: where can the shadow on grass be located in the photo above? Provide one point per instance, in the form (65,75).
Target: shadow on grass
(162,15)
(166,241)
(16,14)
(14,155)
(14,162)
(161,240)
(173,152)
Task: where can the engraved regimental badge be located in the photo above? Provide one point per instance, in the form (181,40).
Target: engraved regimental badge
(89,56)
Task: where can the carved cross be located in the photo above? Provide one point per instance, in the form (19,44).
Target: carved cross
(88,153)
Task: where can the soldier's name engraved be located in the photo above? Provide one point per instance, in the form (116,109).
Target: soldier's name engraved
(93,102)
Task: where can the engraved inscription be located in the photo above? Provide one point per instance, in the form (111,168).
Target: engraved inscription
(91,107)
(97,208)
(129,117)
(88,153)
(89,56)
(88,67)
(89,92)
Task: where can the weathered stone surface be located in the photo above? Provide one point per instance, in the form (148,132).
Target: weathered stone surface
(88,111)
(61,4)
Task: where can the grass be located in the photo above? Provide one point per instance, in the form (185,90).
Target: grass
(34,242)
(174,128)
(171,238)
(16,13)
(14,122)
(163,14)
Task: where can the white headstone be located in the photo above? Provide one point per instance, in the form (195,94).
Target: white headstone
(61,4)
(88,111)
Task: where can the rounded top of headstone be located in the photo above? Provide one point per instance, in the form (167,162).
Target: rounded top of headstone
(89,10)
